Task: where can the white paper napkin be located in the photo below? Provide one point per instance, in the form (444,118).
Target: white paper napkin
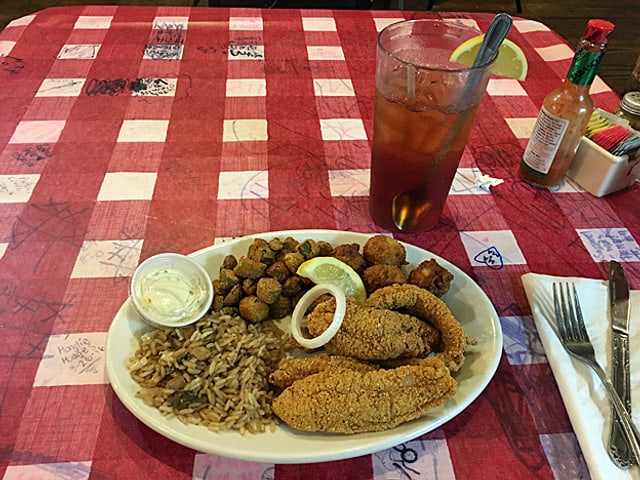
(583,393)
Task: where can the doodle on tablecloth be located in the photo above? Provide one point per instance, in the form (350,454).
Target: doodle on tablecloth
(115,259)
(11,64)
(17,188)
(604,244)
(413,460)
(58,471)
(30,156)
(210,467)
(166,43)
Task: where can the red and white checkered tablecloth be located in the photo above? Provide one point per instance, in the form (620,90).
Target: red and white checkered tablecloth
(128,131)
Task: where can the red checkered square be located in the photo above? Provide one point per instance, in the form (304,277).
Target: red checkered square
(245,107)
(347,155)
(62,424)
(255,213)
(136,157)
(91,304)
(117,220)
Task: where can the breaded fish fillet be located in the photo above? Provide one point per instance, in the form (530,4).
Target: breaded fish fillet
(298,368)
(349,401)
(370,333)
(424,304)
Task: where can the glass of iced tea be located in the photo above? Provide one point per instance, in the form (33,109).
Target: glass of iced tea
(424,108)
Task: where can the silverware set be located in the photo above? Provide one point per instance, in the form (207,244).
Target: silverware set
(624,441)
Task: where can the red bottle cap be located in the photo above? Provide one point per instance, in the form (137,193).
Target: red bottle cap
(598,31)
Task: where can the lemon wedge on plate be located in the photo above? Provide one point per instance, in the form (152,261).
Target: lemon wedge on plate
(511,61)
(323,270)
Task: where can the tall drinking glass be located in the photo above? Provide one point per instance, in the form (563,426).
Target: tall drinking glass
(424,108)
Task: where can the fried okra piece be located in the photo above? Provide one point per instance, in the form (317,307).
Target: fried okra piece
(249,286)
(280,308)
(249,268)
(234,296)
(293,286)
(431,276)
(275,244)
(278,270)
(349,253)
(325,248)
(229,262)
(384,250)
(260,251)
(268,290)
(217,304)
(293,260)
(228,279)
(378,276)
(288,245)
(253,310)
(309,249)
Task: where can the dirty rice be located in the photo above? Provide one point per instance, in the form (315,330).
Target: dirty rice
(213,373)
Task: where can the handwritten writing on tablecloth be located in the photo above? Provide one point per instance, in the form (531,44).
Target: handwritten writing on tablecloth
(490,257)
(32,155)
(250,47)
(79,51)
(37,309)
(413,460)
(166,42)
(54,222)
(522,344)
(606,244)
(73,359)
(17,188)
(116,259)
(138,87)
(213,467)
(49,471)
(492,248)
(10,64)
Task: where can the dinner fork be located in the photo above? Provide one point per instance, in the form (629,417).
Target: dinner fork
(575,339)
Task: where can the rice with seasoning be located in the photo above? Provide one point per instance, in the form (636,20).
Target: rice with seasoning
(213,373)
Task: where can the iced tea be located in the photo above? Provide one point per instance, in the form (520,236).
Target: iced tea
(405,144)
(423,113)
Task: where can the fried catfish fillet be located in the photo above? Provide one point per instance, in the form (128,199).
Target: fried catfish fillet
(370,333)
(298,368)
(349,401)
(425,305)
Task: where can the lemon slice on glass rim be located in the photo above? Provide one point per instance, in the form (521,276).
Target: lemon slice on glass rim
(323,270)
(511,61)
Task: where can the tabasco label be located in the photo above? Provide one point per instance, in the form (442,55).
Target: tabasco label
(546,137)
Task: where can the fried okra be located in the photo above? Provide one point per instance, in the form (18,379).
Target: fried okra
(253,310)
(249,268)
(268,290)
(260,251)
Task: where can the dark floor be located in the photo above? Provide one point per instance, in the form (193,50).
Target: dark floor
(567,17)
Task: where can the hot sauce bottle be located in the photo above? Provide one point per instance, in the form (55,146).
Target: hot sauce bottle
(565,112)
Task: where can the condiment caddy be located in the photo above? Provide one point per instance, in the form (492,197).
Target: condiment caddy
(599,171)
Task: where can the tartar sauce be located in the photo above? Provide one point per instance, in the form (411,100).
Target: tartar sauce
(170,294)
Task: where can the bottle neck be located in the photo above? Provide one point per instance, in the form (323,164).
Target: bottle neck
(585,63)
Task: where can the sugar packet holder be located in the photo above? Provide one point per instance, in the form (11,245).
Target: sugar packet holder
(599,172)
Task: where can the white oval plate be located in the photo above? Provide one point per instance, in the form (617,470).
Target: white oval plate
(467,301)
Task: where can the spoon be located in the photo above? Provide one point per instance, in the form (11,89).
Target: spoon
(408,208)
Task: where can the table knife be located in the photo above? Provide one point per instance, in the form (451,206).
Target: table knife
(619,451)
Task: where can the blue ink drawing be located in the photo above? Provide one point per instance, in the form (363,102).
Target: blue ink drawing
(490,257)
